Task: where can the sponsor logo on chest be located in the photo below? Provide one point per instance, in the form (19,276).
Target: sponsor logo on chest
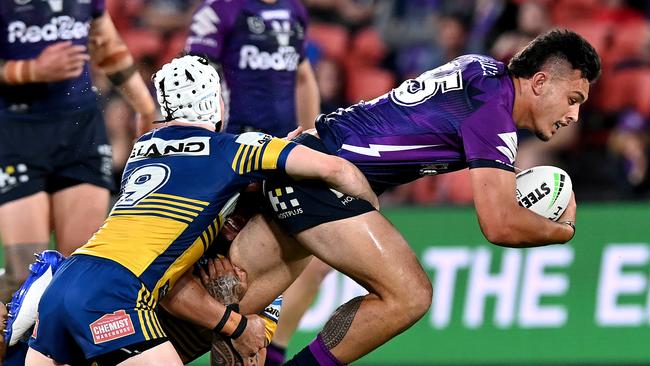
(61,27)
(193,146)
(112,326)
(284,59)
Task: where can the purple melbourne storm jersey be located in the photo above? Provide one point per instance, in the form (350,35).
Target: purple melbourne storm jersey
(455,116)
(27,27)
(259,47)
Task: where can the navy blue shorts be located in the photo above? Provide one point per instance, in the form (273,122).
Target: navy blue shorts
(93,306)
(51,152)
(301,205)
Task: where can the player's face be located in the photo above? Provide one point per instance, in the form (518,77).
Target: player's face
(558,103)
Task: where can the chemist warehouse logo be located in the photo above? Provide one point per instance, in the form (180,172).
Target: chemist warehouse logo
(112,326)
(283,204)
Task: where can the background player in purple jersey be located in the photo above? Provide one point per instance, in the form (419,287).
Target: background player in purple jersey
(55,158)
(260,48)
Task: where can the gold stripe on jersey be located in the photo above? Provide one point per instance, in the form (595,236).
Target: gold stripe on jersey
(169,202)
(250,158)
(180,198)
(244,159)
(188,258)
(272,153)
(180,265)
(237,158)
(248,163)
(166,207)
(141,308)
(211,233)
(255,158)
(117,240)
(157,326)
(151,302)
(148,319)
(122,212)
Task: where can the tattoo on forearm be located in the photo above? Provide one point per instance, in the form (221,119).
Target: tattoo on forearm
(226,289)
(338,325)
(222,353)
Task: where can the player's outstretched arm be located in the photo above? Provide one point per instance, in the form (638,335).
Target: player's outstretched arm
(109,54)
(340,174)
(504,222)
(189,300)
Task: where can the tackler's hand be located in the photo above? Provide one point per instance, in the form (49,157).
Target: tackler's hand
(224,282)
(294,133)
(249,344)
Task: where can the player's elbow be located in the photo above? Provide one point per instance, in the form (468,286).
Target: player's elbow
(499,234)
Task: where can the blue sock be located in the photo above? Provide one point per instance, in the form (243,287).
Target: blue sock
(315,354)
(275,355)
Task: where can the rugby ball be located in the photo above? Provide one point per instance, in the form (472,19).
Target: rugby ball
(545,190)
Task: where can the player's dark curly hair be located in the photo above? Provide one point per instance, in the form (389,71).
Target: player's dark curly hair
(560,43)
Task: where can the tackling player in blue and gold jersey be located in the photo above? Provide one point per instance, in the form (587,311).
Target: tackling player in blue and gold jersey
(179,183)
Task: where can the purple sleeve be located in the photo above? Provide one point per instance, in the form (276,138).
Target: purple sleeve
(210,26)
(490,137)
(99,6)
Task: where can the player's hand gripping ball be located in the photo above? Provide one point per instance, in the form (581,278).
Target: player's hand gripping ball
(545,190)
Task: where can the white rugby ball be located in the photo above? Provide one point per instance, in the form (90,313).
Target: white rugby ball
(545,190)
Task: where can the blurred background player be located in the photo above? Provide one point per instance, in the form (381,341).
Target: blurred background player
(259,46)
(55,158)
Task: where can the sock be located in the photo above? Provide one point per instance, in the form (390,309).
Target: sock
(275,355)
(315,354)
(17,260)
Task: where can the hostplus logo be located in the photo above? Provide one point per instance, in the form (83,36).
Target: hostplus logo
(283,204)
(59,28)
(11,175)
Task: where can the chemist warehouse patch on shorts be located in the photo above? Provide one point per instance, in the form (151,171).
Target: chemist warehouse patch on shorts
(112,326)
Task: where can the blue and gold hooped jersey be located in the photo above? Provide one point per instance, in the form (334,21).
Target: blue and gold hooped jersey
(175,194)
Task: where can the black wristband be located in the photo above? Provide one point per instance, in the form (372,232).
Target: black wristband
(240,328)
(573,226)
(119,77)
(223,321)
(233,307)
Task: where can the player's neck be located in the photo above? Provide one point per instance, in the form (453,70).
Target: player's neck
(206,125)
(520,108)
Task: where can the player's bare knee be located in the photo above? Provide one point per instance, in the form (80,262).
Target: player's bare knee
(415,295)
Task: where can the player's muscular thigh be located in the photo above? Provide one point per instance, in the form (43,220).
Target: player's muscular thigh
(271,259)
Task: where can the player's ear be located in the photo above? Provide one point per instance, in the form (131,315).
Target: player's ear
(538,82)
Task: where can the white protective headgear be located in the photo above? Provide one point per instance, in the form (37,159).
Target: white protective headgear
(188,90)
